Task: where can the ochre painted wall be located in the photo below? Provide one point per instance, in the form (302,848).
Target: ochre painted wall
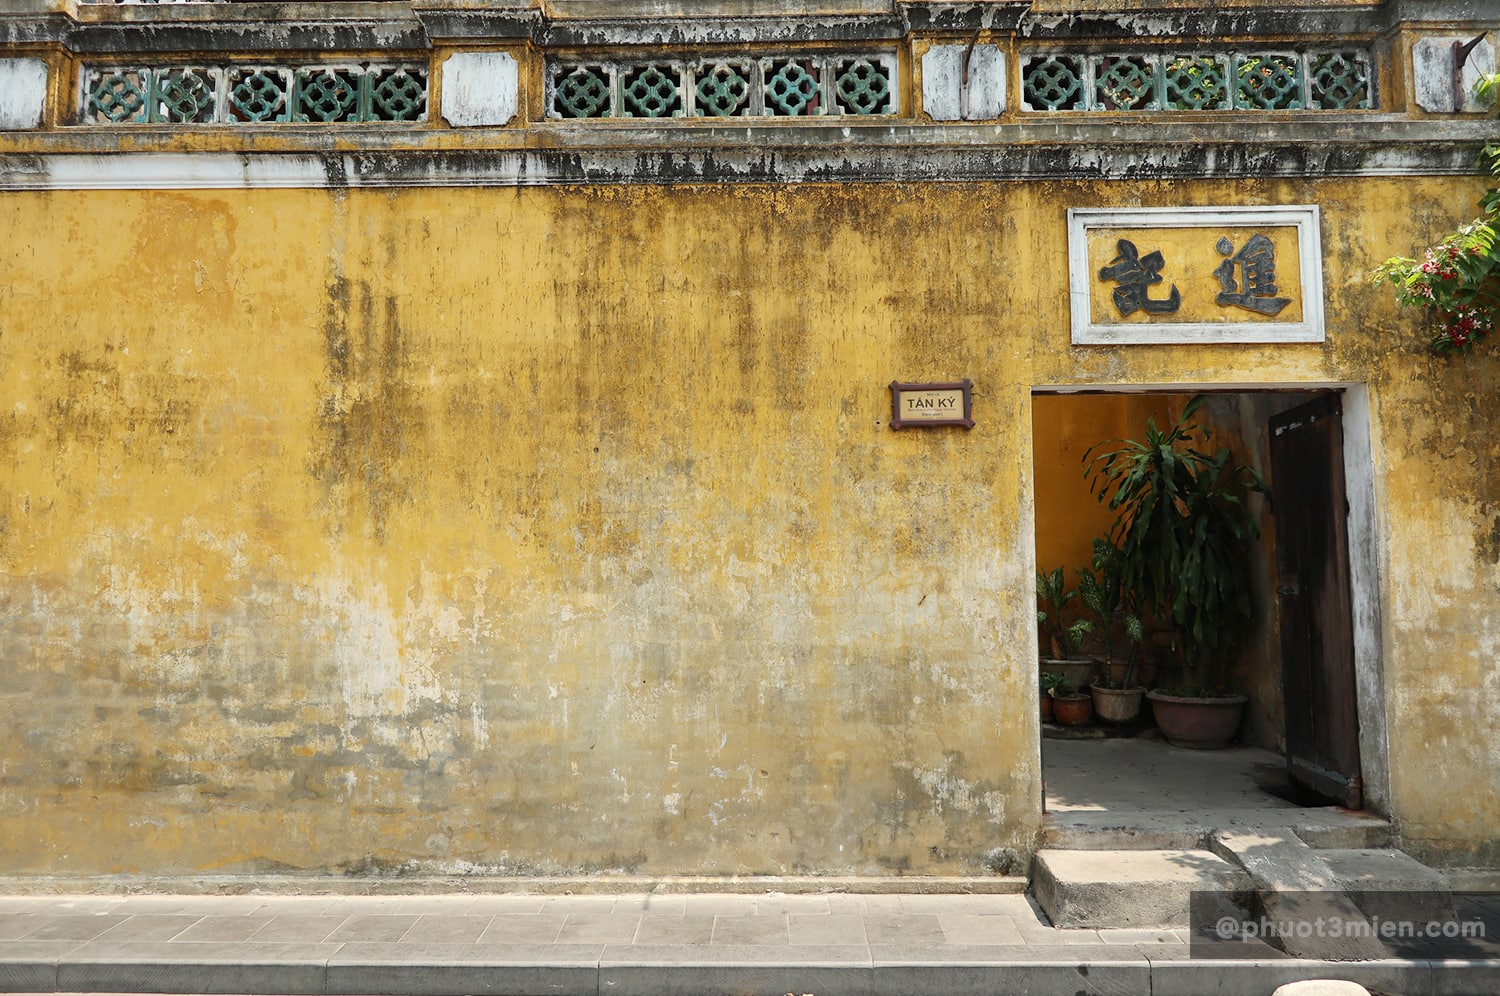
(561,529)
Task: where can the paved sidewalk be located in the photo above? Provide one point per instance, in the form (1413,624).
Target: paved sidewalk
(630,945)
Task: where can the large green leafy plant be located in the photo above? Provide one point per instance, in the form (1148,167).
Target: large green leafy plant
(1455,283)
(1184,533)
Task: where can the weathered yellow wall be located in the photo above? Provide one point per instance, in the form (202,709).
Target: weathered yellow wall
(560,529)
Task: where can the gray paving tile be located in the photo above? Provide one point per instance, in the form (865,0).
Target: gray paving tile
(294,905)
(202,968)
(776,903)
(446,928)
(150,927)
(1131,935)
(61,904)
(183,905)
(1251,977)
(904,930)
(444,905)
(964,970)
(31,966)
(656,929)
(718,904)
(1002,954)
(876,904)
(298,927)
(963,904)
(17,925)
(521,928)
(455,969)
(1046,937)
(688,970)
(223,928)
(599,928)
(962,928)
(578,904)
(826,928)
(1452,978)
(74,926)
(737,929)
(655,905)
(508,904)
(366,906)
(372,927)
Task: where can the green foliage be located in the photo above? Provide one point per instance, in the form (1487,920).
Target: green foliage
(1102,591)
(1184,533)
(1455,285)
(1064,638)
(1052,682)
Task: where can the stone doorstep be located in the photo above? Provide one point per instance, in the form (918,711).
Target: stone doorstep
(1133,888)
(1084,830)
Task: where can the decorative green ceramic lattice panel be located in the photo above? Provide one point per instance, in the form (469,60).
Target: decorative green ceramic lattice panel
(1196,83)
(261,93)
(652,92)
(1268,82)
(722,89)
(788,86)
(581,92)
(1339,81)
(1053,83)
(1199,81)
(253,94)
(792,87)
(1125,83)
(861,87)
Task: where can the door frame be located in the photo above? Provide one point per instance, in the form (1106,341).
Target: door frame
(1365,552)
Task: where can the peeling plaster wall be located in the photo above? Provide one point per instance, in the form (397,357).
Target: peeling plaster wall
(560,529)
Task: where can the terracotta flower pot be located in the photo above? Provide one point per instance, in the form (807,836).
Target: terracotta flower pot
(1203,724)
(1046,708)
(1072,710)
(1117,705)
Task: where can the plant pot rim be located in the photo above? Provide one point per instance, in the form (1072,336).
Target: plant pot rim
(1132,690)
(1155,695)
(1072,698)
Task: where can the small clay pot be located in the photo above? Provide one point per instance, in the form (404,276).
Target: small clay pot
(1072,710)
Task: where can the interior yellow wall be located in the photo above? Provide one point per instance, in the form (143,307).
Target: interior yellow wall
(1066,427)
(561,529)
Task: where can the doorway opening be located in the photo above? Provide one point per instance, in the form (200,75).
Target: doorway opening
(1313,727)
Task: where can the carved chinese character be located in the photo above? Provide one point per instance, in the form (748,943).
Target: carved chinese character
(1136,274)
(1255,267)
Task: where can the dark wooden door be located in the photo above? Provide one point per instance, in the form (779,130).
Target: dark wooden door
(1313,599)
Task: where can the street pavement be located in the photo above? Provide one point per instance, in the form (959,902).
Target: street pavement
(643,944)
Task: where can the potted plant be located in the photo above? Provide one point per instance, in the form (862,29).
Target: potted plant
(1049,684)
(1062,638)
(1185,533)
(1071,705)
(1116,694)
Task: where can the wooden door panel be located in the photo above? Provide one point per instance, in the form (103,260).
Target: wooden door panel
(1313,598)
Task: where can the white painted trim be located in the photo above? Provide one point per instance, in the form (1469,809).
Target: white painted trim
(1363,531)
(1081,282)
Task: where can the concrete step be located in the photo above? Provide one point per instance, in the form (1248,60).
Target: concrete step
(1086,830)
(1135,888)
(1391,885)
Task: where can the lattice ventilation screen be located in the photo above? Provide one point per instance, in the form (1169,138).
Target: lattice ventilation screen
(1335,80)
(790,86)
(253,94)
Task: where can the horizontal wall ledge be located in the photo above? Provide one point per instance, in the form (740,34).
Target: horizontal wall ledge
(77,160)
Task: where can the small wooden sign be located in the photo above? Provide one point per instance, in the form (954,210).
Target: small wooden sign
(921,405)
